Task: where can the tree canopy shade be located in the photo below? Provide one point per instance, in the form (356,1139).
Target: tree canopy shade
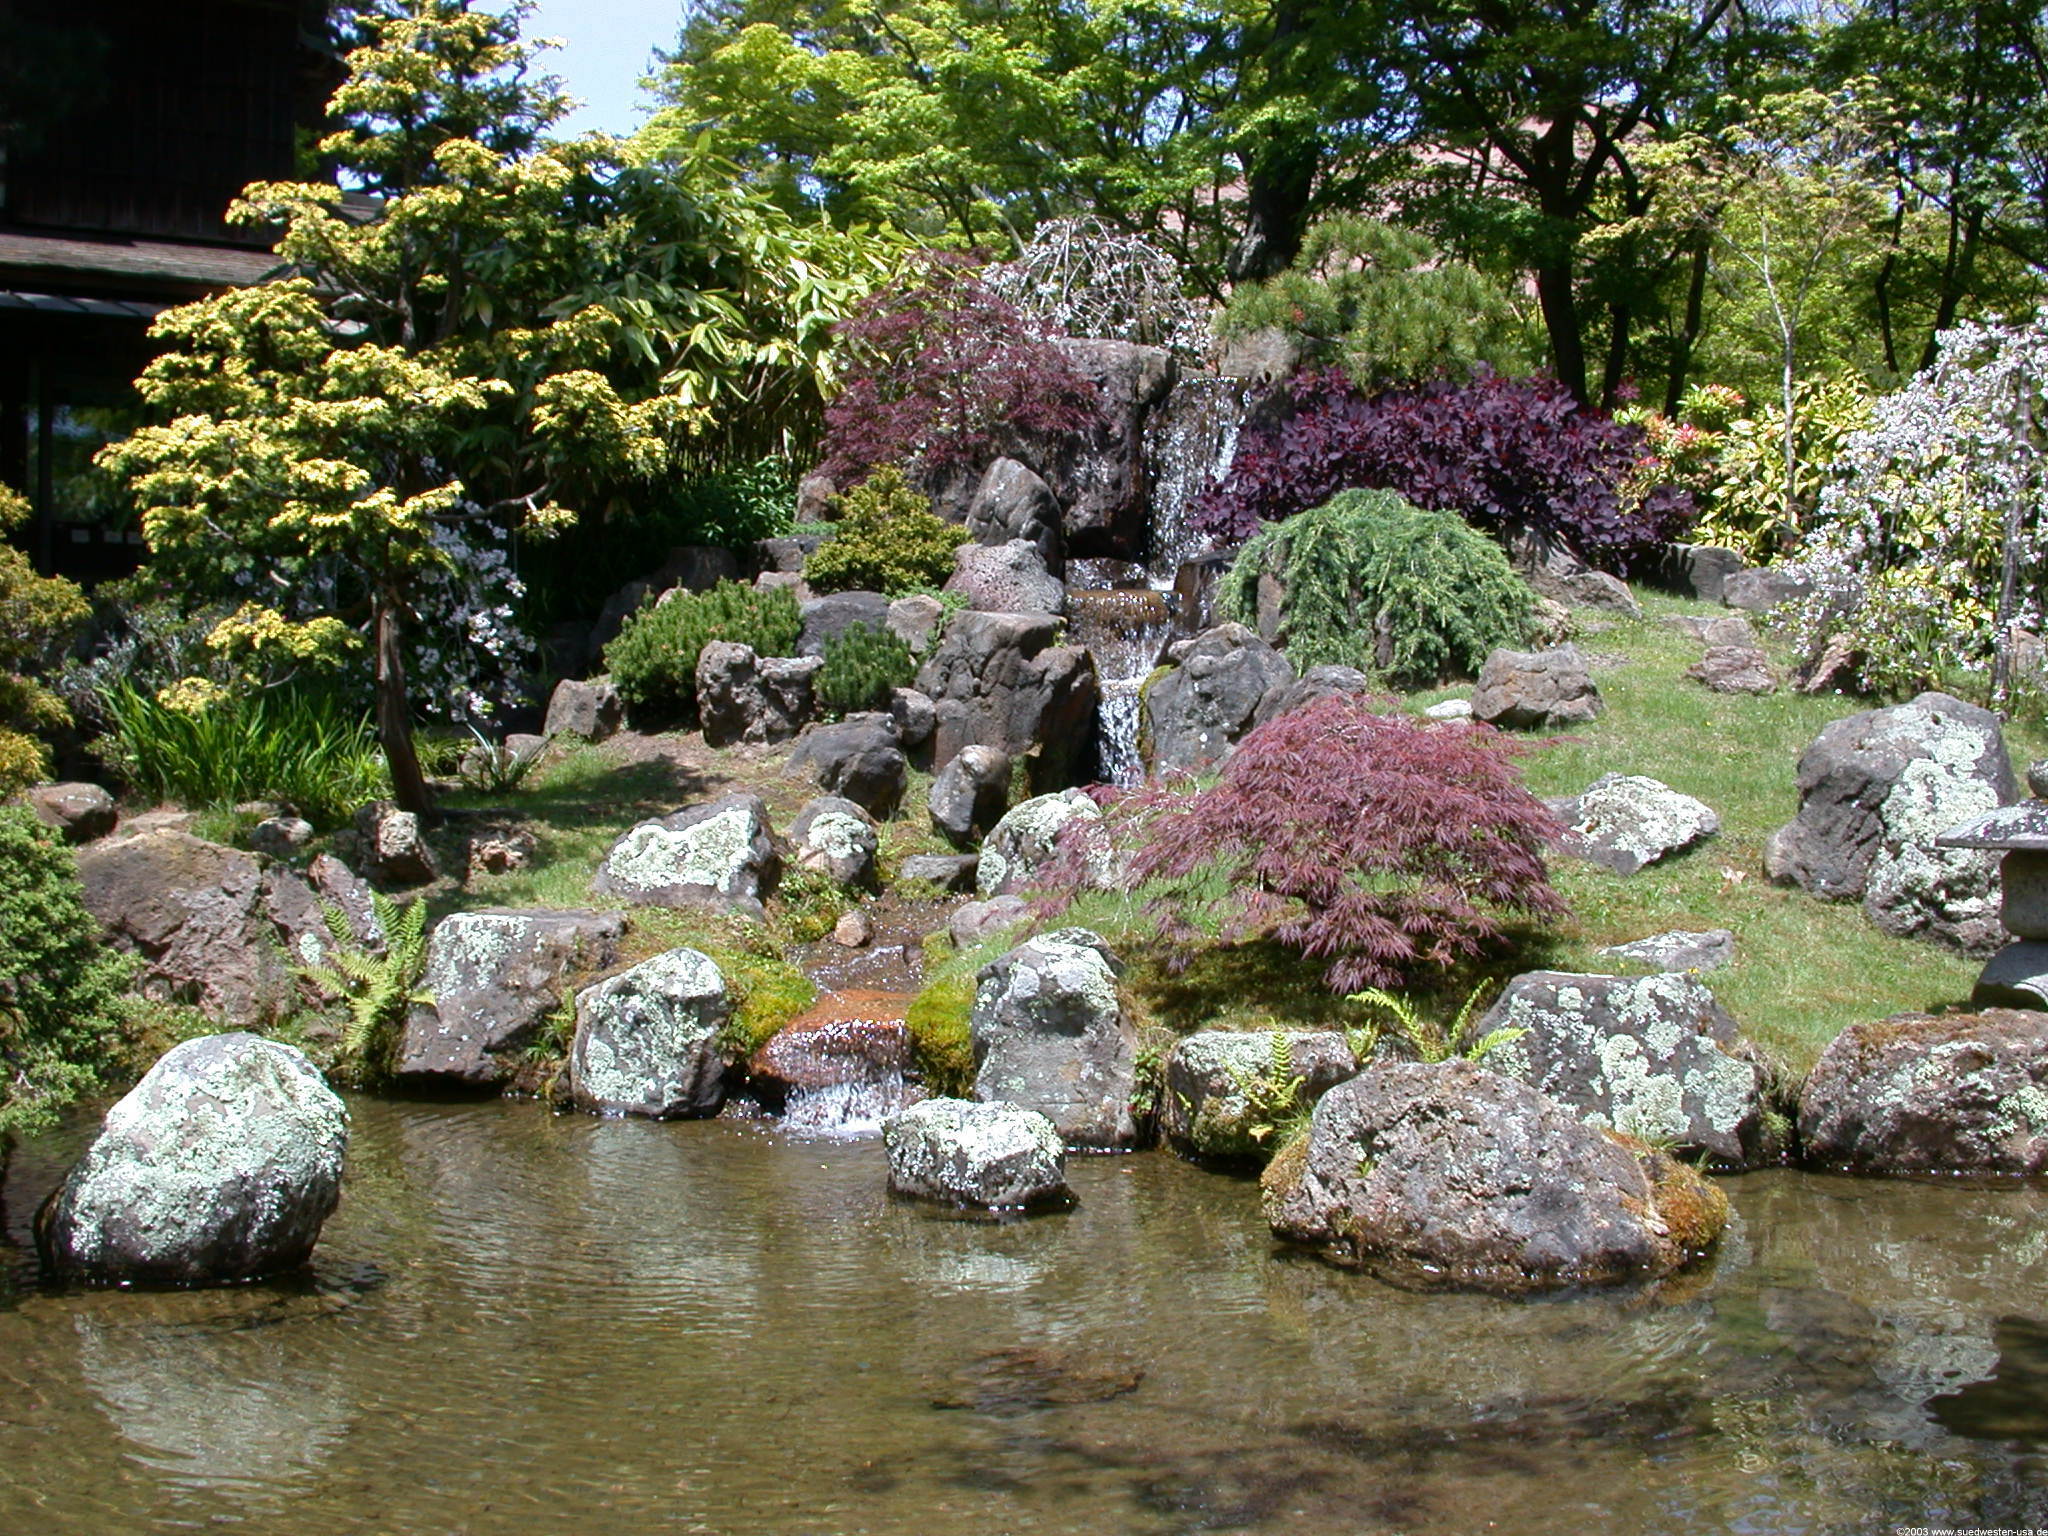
(489,330)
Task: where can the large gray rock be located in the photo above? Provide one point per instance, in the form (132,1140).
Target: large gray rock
(1005,578)
(1316,683)
(80,813)
(1213,1078)
(1454,1176)
(720,855)
(1650,1056)
(743,697)
(394,846)
(915,620)
(1205,703)
(494,978)
(215,927)
(1625,822)
(827,618)
(219,1167)
(994,1156)
(647,1039)
(1000,680)
(1098,476)
(1012,502)
(952,873)
(1764,588)
(1543,690)
(1705,569)
(970,794)
(1050,1034)
(1734,669)
(836,838)
(1958,1093)
(1027,835)
(1679,950)
(1593,589)
(858,758)
(591,710)
(1875,791)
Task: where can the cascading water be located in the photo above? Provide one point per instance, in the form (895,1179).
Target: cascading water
(1120,612)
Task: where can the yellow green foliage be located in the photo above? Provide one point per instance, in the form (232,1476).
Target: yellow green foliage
(37,614)
(888,540)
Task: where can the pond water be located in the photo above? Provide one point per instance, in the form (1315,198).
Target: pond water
(522,1322)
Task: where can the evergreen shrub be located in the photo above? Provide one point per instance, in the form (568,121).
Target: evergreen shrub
(653,662)
(60,985)
(861,666)
(1370,581)
(37,614)
(887,539)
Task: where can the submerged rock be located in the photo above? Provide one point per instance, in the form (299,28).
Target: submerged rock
(494,978)
(1454,1176)
(719,855)
(220,1166)
(1875,791)
(1624,821)
(1213,1076)
(647,1039)
(1050,1034)
(1957,1093)
(1649,1056)
(995,1156)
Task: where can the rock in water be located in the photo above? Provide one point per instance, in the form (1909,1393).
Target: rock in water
(996,1156)
(1050,1034)
(647,1039)
(220,1166)
(1875,791)
(1207,1108)
(1958,1093)
(1454,1176)
(1544,690)
(1650,1056)
(1624,821)
(719,855)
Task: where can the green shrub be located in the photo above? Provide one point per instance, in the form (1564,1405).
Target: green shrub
(888,540)
(37,614)
(653,662)
(1370,581)
(861,666)
(204,747)
(60,986)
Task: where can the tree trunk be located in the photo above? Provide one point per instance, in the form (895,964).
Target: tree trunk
(394,714)
(1688,338)
(1789,394)
(1561,321)
(1278,184)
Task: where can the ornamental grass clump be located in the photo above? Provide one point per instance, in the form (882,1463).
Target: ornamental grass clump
(1386,846)
(1372,582)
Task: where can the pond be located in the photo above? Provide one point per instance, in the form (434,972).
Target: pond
(520,1321)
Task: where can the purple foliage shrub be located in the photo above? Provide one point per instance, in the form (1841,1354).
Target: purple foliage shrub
(1385,845)
(1508,455)
(944,371)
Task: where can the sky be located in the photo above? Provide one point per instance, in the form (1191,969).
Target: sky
(607,48)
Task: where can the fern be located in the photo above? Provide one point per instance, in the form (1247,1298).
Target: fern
(1432,1042)
(1371,582)
(380,986)
(1274,1109)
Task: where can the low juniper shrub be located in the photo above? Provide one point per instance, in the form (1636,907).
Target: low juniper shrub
(1510,456)
(861,666)
(653,662)
(1369,581)
(1387,847)
(887,539)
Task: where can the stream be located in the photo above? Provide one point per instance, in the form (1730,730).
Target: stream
(520,1321)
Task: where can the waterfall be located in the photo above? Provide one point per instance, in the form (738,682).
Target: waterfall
(1125,629)
(849,1111)
(1189,443)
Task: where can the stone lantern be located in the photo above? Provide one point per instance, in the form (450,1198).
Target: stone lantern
(2017,976)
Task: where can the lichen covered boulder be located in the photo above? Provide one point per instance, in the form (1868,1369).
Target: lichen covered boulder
(993,1156)
(1214,1077)
(720,855)
(1451,1176)
(1027,835)
(1625,822)
(836,838)
(1957,1093)
(1050,1034)
(1654,1057)
(1875,790)
(1206,701)
(219,1167)
(647,1039)
(494,978)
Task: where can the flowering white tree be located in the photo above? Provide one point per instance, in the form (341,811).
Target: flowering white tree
(1928,553)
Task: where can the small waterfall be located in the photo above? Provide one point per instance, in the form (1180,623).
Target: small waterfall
(1189,443)
(850,1111)
(1125,629)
